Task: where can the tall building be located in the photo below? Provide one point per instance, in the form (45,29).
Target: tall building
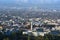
(31,25)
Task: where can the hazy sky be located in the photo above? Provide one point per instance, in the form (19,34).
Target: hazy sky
(33,1)
(50,3)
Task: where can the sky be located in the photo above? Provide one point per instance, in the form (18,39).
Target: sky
(52,3)
(39,1)
(31,1)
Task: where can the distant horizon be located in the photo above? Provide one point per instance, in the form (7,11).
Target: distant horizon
(54,4)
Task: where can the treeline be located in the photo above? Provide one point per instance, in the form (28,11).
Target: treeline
(19,36)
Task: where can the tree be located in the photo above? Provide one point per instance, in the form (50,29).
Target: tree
(28,37)
(46,38)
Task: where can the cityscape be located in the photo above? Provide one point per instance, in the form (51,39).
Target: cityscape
(28,21)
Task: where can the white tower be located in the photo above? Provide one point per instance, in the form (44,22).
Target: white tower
(31,26)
